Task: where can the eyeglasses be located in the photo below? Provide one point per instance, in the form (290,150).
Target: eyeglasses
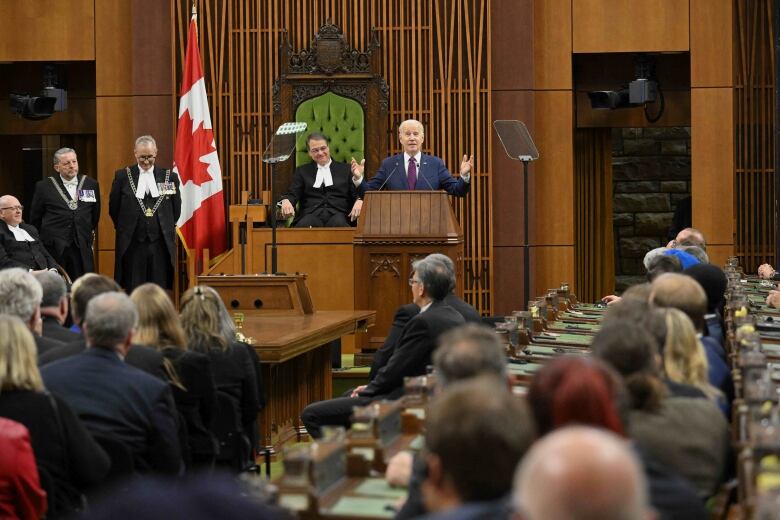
(146,157)
(15,208)
(318,150)
(412,281)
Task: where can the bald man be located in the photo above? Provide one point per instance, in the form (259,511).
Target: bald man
(581,473)
(20,244)
(412,169)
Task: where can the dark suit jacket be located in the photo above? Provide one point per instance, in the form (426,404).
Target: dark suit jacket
(53,330)
(61,226)
(139,356)
(340,197)
(44,345)
(27,255)
(117,400)
(125,212)
(468,312)
(401,318)
(413,352)
(432,174)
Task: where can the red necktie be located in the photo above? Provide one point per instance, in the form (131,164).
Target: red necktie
(411,174)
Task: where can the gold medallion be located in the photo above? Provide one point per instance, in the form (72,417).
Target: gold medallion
(148,212)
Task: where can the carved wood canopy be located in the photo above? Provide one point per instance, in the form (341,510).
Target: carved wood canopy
(330,64)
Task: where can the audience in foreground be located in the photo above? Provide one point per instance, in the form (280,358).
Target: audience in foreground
(69,460)
(114,399)
(581,473)
(21,495)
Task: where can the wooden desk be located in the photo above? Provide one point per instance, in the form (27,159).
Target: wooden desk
(296,363)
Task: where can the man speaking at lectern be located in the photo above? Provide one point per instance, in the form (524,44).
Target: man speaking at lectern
(412,169)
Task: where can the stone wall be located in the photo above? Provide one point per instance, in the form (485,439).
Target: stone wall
(651,170)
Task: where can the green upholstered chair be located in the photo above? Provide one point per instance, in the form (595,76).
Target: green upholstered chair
(340,119)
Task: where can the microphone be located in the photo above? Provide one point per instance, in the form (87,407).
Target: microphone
(388,177)
(419,174)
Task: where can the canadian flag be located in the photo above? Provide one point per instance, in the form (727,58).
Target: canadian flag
(202,220)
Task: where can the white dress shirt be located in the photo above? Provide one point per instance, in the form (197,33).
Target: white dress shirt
(20,234)
(71,185)
(147,184)
(323,175)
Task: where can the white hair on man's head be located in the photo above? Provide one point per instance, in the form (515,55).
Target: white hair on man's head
(145,139)
(21,293)
(652,254)
(411,122)
(581,473)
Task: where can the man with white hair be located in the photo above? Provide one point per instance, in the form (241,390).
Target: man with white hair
(581,473)
(22,296)
(144,205)
(20,243)
(413,170)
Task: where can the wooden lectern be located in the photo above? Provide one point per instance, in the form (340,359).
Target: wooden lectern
(395,229)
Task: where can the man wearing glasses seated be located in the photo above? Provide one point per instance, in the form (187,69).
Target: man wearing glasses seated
(20,244)
(324,189)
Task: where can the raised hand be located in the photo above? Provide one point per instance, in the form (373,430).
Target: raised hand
(466,165)
(357,169)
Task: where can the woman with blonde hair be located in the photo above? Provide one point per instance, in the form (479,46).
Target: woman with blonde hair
(208,332)
(684,359)
(189,373)
(68,458)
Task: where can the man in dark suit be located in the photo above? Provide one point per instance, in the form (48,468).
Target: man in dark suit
(54,307)
(22,296)
(84,290)
(66,209)
(323,188)
(144,205)
(412,169)
(112,398)
(430,283)
(20,244)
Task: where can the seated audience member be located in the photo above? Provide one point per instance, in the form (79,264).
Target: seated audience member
(580,390)
(20,245)
(54,307)
(687,435)
(689,237)
(663,264)
(69,460)
(430,283)
(406,312)
(112,398)
(22,295)
(713,280)
(476,433)
(84,290)
(684,293)
(21,495)
(233,370)
(412,169)
(767,272)
(323,188)
(684,360)
(465,352)
(697,252)
(189,373)
(686,259)
(205,497)
(469,313)
(581,473)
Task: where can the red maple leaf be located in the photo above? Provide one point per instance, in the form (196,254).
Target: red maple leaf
(190,147)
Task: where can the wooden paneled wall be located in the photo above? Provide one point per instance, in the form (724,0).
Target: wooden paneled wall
(754,131)
(436,59)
